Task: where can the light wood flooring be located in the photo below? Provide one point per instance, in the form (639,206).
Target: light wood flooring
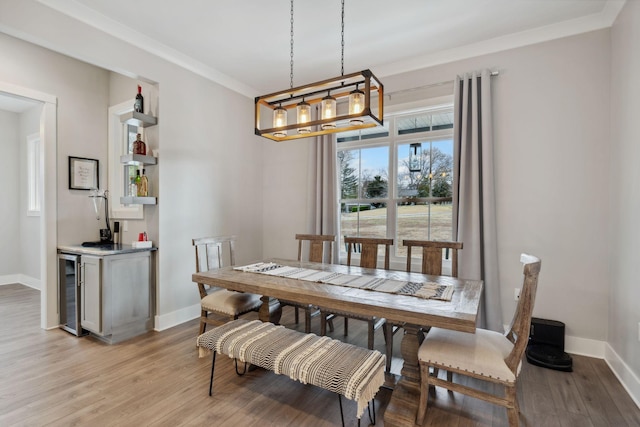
(53,378)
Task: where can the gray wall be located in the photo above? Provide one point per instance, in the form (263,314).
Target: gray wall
(10,191)
(624,203)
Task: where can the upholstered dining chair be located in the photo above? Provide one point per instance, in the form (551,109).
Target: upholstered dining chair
(486,355)
(317,248)
(368,248)
(211,253)
(432,261)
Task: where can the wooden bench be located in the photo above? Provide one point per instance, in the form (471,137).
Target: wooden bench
(354,372)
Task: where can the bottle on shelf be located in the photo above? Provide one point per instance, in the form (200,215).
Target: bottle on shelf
(133,188)
(138,105)
(138,183)
(144,185)
(139,147)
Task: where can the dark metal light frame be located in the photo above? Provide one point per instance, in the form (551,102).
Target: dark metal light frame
(339,87)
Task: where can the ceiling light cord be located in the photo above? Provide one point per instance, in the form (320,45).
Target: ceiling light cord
(342,42)
(291,63)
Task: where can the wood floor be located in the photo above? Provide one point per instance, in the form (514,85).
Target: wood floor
(53,378)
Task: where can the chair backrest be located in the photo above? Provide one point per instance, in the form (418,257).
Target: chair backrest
(210,252)
(316,246)
(432,255)
(369,250)
(518,333)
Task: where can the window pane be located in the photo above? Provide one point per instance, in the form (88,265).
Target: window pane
(375,172)
(349,167)
(423,221)
(363,220)
(436,170)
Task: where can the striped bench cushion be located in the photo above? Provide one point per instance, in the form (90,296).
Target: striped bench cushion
(354,372)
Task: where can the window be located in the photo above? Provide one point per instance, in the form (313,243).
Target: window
(34,175)
(397,181)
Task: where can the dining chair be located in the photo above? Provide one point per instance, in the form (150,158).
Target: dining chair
(317,247)
(432,262)
(368,248)
(212,253)
(486,355)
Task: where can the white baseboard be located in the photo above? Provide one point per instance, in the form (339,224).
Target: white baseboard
(621,370)
(584,347)
(177,317)
(20,278)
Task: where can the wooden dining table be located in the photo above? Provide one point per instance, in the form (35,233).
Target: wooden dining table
(414,314)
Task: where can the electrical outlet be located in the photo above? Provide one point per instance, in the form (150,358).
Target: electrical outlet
(516,294)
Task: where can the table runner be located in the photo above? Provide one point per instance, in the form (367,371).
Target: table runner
(426,290)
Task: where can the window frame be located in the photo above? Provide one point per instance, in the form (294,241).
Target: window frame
(392,141)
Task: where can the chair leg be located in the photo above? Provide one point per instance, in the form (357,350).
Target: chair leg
(371,334)
(424,393)
(203,323)
(513,412)
(387,328)
(323,323)
(307,320)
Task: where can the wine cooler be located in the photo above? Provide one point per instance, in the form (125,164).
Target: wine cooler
(69,293)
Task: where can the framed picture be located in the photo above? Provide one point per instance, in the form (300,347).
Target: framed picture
(83,173)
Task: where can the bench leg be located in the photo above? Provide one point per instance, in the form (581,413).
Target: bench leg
(244,371)
(213,364)
(371,418)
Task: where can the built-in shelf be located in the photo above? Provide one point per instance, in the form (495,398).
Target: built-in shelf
(138,159)
(138,119)
(138,200)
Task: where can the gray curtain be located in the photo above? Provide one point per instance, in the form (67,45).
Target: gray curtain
(322,201)
(474,195)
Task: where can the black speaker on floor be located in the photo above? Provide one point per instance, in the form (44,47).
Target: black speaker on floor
(546,345)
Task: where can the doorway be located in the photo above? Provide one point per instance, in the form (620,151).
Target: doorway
(47,247)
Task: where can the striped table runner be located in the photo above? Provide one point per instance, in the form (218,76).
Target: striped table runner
(427,290)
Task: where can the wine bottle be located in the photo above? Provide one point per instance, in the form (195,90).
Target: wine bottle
(144,185)
(139,147)
(138,105)
(139,183)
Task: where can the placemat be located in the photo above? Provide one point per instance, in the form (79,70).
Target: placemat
(426,290)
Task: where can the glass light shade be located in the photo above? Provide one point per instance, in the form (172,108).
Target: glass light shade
(356,104)
(279,120)
(415,157)
(304,116)
(328,108)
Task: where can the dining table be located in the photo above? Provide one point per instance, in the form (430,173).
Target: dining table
(413,313)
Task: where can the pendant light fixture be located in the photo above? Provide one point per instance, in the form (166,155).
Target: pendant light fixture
(343,103)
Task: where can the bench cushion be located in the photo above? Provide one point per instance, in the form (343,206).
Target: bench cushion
(354,372)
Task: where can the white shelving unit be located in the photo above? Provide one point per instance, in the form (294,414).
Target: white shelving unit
(140,120)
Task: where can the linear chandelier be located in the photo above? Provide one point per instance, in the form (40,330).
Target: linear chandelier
(347,102)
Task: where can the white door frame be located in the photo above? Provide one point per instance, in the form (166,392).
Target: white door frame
(48,219)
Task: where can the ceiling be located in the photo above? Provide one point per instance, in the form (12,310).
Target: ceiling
(245,45)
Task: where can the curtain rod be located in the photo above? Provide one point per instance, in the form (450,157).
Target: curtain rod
(492,74)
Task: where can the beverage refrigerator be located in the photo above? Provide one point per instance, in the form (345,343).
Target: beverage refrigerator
(69,278)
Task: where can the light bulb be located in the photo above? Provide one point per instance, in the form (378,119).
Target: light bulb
(279,120)
(304,116)
(328,108)
(356,105)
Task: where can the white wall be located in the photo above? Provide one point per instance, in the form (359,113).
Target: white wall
(29,241)
(551,128)
(624,201)
(210,162)
(10,191)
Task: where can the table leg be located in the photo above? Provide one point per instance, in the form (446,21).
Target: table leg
(403,406)
(270,310)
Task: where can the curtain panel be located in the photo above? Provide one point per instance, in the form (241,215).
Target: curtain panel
(474,191)
(322,201)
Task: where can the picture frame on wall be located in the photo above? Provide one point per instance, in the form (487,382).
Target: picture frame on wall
(83,173)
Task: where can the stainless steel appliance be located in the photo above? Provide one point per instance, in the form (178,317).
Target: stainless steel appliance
(69,278)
